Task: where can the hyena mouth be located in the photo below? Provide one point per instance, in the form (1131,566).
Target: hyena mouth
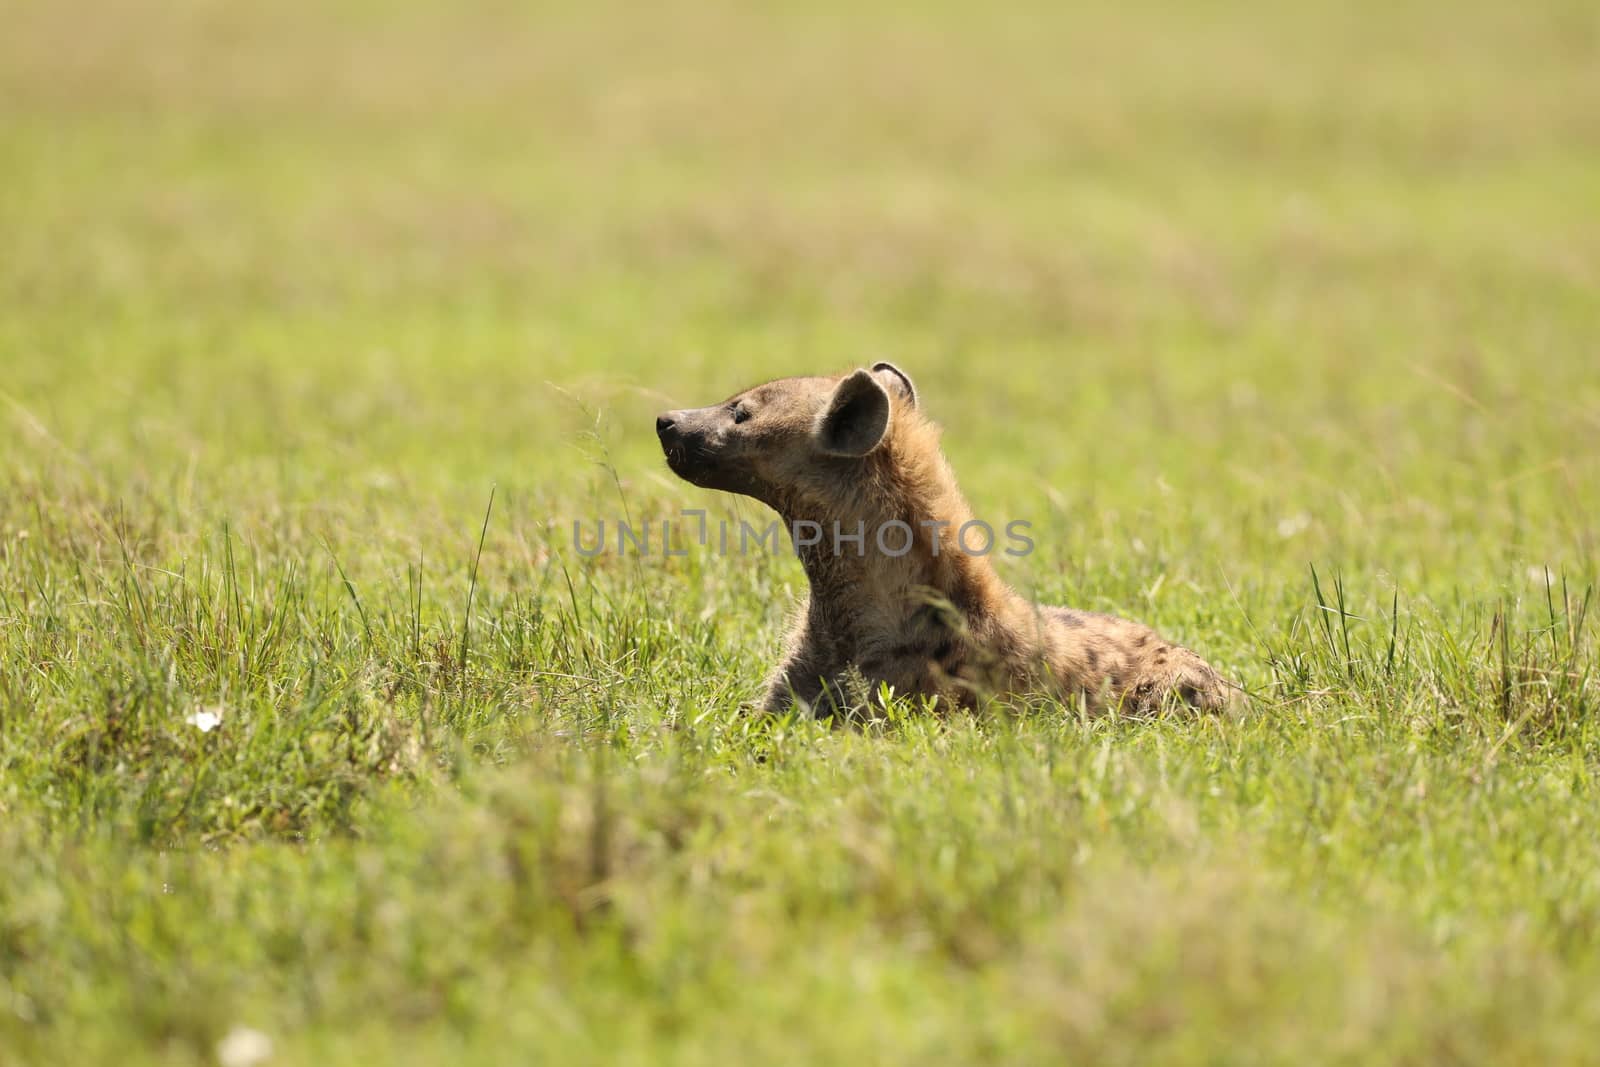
(685,460)
(673,443)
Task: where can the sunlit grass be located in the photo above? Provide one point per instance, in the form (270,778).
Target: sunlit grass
(1279,324)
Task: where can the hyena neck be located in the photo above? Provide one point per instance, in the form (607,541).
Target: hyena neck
(907,490)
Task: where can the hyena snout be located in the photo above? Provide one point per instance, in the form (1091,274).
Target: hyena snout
(679,433)
(684,448)
(680,428)
(696,449)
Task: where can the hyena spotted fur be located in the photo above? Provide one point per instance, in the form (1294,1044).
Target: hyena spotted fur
(857,450)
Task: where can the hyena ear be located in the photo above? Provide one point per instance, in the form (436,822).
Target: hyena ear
(894,378)
(856,418)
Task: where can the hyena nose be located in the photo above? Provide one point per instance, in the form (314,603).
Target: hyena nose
(664,423)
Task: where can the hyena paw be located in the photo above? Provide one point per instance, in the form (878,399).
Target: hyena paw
(1191,683)
(1197,684)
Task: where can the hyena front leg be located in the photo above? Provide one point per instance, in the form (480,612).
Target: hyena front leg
(799,678)
(785,690)
(822,694)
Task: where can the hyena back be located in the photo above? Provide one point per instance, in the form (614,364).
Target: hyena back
(855,450)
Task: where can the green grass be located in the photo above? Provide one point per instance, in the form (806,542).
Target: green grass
(1278,322)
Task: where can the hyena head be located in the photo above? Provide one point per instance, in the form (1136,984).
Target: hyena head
(788,442)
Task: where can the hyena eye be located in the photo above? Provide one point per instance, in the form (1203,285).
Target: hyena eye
(741,414)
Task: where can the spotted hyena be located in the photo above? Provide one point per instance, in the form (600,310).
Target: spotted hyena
(853,453)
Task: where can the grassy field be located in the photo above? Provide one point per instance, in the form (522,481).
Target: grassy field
(1280,323)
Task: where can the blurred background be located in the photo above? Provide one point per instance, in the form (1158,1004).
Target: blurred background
(1210,293)
(1317,269)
